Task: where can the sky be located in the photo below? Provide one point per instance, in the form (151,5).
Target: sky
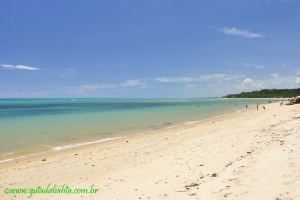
(147,49)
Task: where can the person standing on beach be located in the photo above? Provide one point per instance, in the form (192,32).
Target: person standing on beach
(246,106)
(257,107)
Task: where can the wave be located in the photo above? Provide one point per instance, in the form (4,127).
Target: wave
(60,148)
(69,146)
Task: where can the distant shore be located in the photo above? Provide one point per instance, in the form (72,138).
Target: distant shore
(267,93)
(242,155)
(274,99)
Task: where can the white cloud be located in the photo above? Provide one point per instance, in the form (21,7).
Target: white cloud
(249,84)
(90,88)
(256,66)
(221,88)
(174,79)
(247,81)
(252,65)
(279,82)
(218,84)
(241,33)
(298,80)
(274,75)
(19,67)
(82,89)
(133,83)
(190,79)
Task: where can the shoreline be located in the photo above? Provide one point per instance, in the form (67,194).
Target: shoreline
(246,155)
(13,149)
(105,141)
(60,148)
(124,135)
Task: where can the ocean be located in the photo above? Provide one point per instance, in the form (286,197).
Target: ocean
(35,125)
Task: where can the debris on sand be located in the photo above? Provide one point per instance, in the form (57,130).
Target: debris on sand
(187,187)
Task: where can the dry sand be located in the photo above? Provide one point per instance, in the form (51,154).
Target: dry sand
(247,155)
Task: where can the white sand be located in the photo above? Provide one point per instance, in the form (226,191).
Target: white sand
(248,155)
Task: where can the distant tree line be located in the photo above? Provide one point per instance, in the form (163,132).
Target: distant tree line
(267,93)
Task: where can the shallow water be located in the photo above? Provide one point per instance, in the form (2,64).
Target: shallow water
(35,125)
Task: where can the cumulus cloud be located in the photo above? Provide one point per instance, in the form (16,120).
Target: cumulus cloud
(19,67)
(241,33)
(241,84)
(247,81)
(298,80)
(279,82)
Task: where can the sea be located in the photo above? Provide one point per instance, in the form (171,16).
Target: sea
(29,126)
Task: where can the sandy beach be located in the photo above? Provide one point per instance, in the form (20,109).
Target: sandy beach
(242,155)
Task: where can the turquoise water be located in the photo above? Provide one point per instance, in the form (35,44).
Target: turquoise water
(35,125)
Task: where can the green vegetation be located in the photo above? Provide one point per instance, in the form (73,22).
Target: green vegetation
(267,93)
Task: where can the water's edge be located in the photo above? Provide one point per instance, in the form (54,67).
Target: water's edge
(109,139)
(86,128)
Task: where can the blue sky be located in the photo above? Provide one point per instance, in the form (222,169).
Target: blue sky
(137,48)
